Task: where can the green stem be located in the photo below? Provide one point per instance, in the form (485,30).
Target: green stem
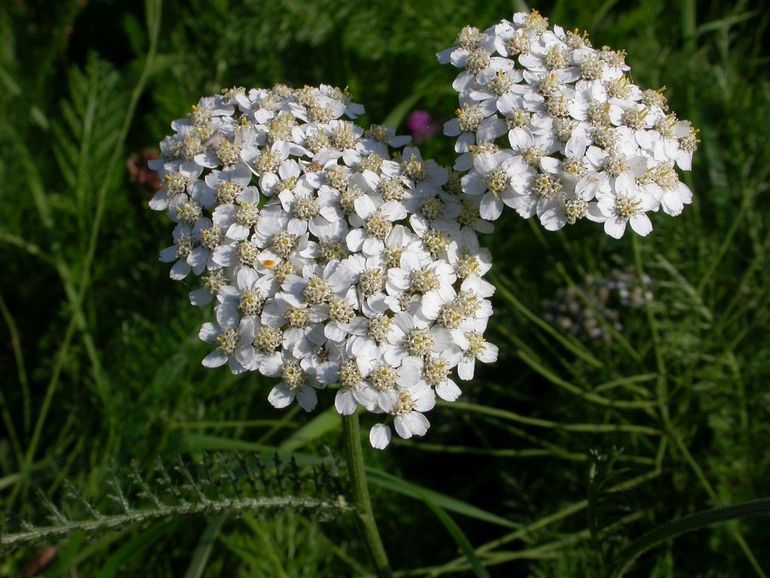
(367,527)
(226,506)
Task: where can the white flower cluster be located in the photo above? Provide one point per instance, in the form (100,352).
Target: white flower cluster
(329,255)
(551,126)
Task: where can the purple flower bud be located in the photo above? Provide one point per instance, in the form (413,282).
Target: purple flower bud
(421,125)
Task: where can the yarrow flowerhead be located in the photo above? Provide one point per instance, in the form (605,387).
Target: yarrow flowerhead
(551,126)
(330,253)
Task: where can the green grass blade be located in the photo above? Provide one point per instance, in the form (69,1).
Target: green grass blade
(11,86)
(570,344)
(401,486)
(687,524)
(195,442)
(551,376)
(573,427)
(134,548)
(321,425)
(459,537)
(398,114)
(200,557)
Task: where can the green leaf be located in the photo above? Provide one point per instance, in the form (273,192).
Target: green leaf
(400,486)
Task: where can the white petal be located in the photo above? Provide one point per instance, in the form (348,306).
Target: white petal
(215,359)
(448,390)
(366,397)
(307,398)
(488,353)
(200,297)
(672,205)
(379,436)
(159,201)
(398,279)
(364,206)
(393,211)
(245,355)
(452,127)
(168,254)
(271,366)
(412,423)
(371,247)
(387,400)
(227,315)
(238,232)
(466,368)
(280,396)
(431,305)
(355,239)
(615,227)
(641,224)
(410,372)
(344,402)
(491,207)
(333,332)
(473,183)
(326,373)
(208,333)
(179,271)
(224,256)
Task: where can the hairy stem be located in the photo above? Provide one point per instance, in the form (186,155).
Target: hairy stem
(367,527)
(101,523)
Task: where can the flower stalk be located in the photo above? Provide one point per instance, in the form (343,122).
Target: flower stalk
(367,526)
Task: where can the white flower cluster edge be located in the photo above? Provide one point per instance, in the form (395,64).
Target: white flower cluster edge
(331,255)
(554,128)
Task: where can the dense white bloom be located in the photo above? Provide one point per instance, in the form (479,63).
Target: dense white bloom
(571,116)
(330,256)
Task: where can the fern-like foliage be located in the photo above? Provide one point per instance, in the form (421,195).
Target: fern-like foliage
(213,484)
(86,134)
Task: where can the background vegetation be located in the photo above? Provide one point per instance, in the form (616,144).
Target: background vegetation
(100,363)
